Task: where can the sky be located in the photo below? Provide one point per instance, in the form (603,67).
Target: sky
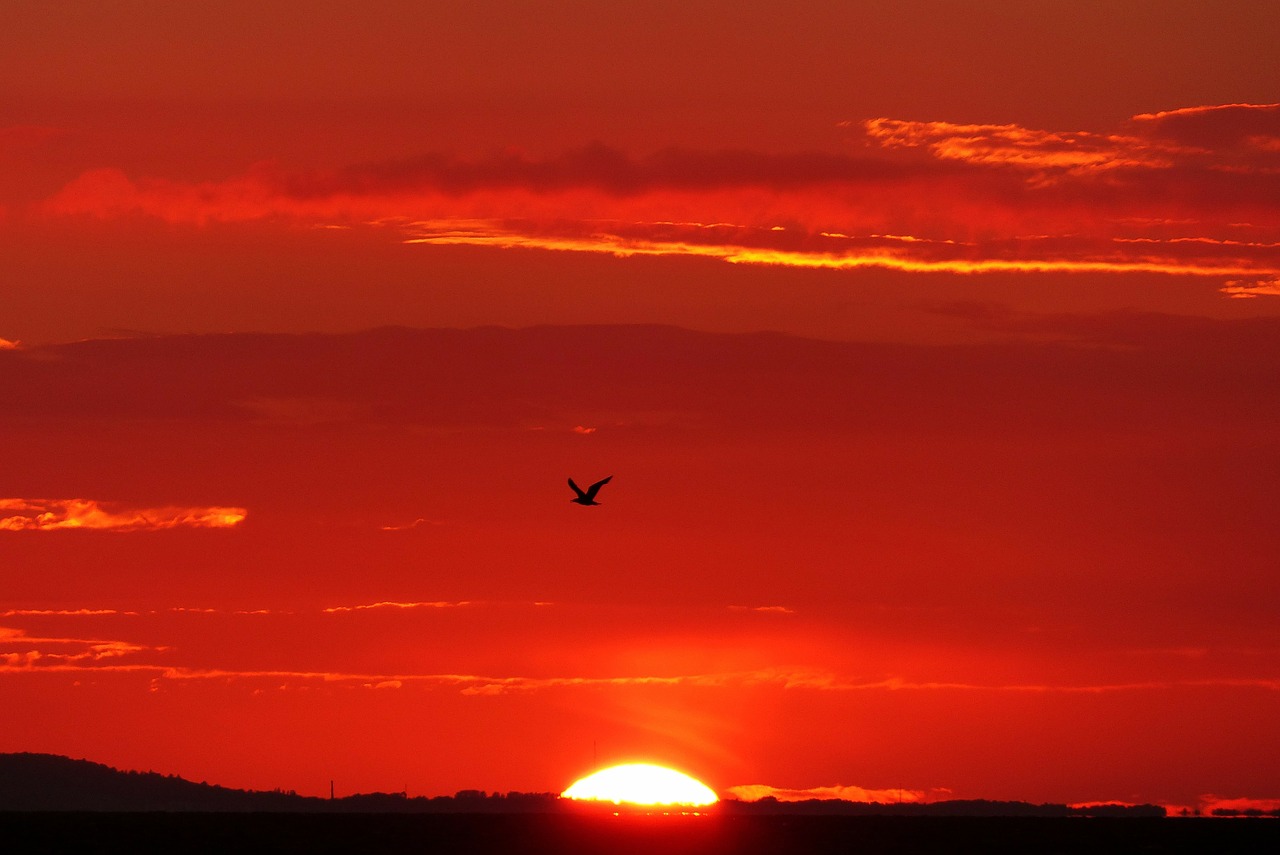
(932,348)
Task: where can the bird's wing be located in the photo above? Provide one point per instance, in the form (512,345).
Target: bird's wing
(577,489)
(595,488)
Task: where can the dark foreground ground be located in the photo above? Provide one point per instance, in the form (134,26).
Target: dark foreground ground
(510,834)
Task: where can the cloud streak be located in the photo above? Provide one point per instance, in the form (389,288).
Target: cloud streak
(784,247)
(20,652)
(201,610)
(755,792)
(438,604)
(90,514)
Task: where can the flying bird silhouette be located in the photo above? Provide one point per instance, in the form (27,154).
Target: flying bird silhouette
(589,497)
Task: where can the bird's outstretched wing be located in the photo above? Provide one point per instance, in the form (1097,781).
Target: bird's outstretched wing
(578,490)
(595,488)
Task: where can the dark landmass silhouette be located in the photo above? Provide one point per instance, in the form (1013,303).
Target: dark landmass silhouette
(50,803)
(50,782)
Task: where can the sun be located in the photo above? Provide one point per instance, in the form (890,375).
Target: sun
(641,784)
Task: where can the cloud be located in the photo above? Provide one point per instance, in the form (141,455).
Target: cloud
(1026,148)
(1210,803)
(1219,127)
(63,612)
(593,166)
(835,251)
(1182,192)
(5,344)
(410,526)
(28,653)
(60,514)
(439,604)
(24,656)
(755,792)
(538,365)
(1231,137)
(778,610)
(18,140)
(1247,290)
(201,610)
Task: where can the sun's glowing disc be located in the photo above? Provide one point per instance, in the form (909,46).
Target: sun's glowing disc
(641,784)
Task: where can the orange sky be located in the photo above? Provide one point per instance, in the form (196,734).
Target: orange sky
(932,347)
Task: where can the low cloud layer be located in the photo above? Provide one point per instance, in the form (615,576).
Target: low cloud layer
(1183,192)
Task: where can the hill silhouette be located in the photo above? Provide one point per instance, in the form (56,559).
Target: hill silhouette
(50,782)
(39,782)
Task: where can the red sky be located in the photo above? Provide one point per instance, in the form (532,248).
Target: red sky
(932,347)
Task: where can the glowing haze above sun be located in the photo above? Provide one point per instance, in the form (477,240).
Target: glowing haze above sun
(641,784)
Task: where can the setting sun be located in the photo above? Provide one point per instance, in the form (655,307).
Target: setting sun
(641,784)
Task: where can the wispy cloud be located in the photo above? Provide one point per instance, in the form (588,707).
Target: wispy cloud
(410,526)
(269,611)
(1247,290)
(1226,137)
(64,612)
(1027,148)
(26,653)
(786,247)
(755,792)
(434,604)
(62,514)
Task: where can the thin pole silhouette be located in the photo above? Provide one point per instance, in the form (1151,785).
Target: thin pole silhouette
(589,496)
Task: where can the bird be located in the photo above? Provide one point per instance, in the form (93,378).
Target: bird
(589,497)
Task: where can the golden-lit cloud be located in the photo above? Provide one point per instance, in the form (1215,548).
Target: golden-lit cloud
(755,792)
(830,251)
(1246,290)
(204,610)
(1012,145)
(22,652)
(1227,137)
(5,344)
(89,514)
(65,612)
(439,604)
